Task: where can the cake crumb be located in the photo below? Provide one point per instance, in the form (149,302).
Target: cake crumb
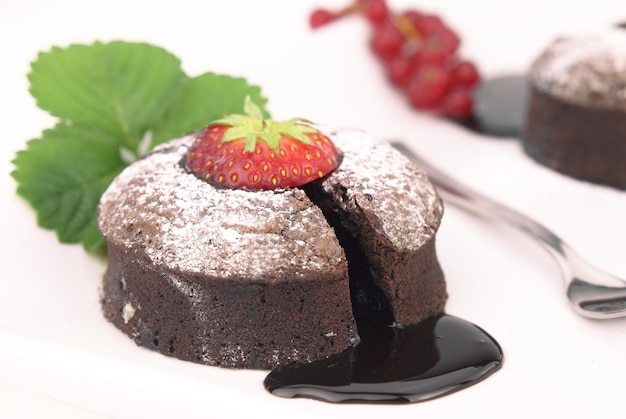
(128,312)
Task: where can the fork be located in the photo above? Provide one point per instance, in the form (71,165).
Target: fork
(592,292)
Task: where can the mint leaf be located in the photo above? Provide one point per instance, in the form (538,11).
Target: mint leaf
(63,175)
(203,99)
(120,88)
(115,101)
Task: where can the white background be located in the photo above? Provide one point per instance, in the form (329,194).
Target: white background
(60,358)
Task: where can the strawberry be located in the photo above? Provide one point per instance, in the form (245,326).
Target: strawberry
(250,152)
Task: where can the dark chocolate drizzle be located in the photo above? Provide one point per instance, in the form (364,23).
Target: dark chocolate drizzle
(434,358)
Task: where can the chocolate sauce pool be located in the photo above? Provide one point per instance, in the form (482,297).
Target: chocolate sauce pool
(439,356)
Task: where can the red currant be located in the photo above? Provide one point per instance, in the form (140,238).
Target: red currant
(466,74)
(428,87)
(320,17)
(439,45)
(387,41)
(400,69)
(428,24)
(458,104)
(376,11)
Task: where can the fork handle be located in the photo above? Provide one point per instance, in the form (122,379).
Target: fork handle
(593,293)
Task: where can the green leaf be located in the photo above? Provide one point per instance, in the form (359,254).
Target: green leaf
(115,101)
(205,99)
(63,174)
(118,87)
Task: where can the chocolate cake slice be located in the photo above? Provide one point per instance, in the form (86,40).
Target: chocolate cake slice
(254,279)
(386,221)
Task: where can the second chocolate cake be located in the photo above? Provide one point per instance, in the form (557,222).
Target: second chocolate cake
(576,120)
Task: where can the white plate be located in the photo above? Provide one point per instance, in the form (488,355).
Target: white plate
(59,357)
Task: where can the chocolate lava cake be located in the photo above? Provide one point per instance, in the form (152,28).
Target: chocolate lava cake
(576,120)
(254,279)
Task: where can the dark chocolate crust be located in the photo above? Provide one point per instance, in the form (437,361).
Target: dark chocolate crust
(586,143)
(224,321)
(405,286)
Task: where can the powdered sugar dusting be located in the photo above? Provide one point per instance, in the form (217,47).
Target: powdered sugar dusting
(376,178)
(157,209)
(179,221)
(589,70)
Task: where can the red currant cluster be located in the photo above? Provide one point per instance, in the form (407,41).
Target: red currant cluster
(420,55)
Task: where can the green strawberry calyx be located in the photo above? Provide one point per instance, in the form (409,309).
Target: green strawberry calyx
(253,126)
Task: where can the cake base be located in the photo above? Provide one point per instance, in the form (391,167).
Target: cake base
(225,322)
(582,142)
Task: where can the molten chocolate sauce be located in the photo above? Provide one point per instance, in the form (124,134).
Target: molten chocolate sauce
(434,358)
(439,356)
